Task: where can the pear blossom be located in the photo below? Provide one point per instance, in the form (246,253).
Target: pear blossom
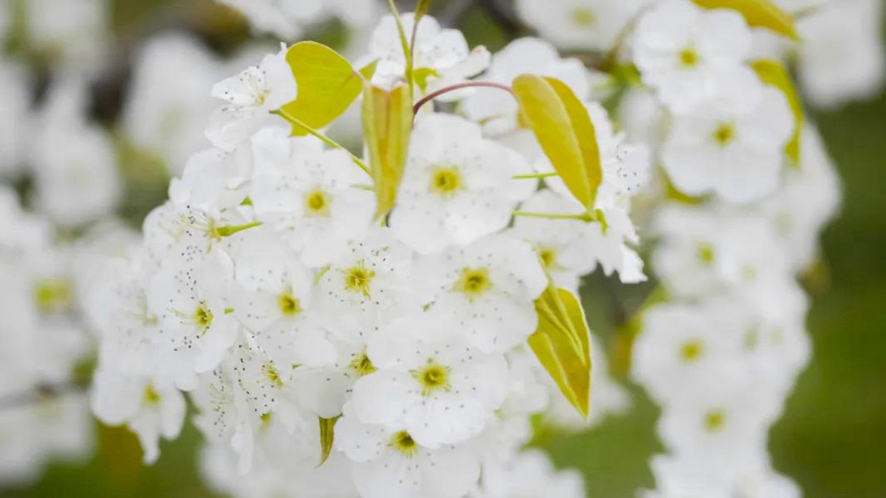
(580,24)
(458,187)
(441,57)
(530,474)
(690,55)
(251,97)
(842,56)
(74,165)
(189,298)
(734,149)
(149,410)
(313,197)
(488,287)
(389,463)
(367,283)
(440,390)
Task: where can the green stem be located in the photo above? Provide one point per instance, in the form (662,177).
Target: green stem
(228,230)
(328,141)
(586,217)
(404,41)
(534,175)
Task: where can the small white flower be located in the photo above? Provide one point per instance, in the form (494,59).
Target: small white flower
(189,297)
(530,473)
(251,97)
(734,148)
(371,281)
(430,382)
(682,342)
(441,57)
(273,298)
(564,246)
(151,411)
(74,162)
(580,24)
(389,463)
(458,187)
(689,54)
(489,288)
(842,56)
(314,198)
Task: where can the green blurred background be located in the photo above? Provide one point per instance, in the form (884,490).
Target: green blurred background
(831,439)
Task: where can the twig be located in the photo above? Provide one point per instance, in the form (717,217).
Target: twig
(470,84)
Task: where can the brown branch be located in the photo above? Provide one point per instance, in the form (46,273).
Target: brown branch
(470,84)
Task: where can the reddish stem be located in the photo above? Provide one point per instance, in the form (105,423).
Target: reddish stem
(470,84)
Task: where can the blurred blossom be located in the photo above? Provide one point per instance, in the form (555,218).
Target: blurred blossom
(168,104)
(72,33)
(75,167)
(287,19)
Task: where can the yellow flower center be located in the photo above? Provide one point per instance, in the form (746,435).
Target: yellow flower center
(358,279)
(203,317)
(404,443)
(724,134)
(689,57)
(317,203)
(362,365)
(714,420)
(53,296)
(445,181)
(289,305)
(706,253)
(272,375)
(583,18)
(150,396)
(433,377)
(691,351)
(474,282)
(548,257)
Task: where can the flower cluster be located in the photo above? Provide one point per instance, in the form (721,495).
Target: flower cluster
(42,414)
(389,350)
(748,187)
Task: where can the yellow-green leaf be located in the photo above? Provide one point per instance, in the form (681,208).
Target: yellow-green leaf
(327,437)
(387,124)
(327,85)
(563,127)
(757,13)
(562,345)
(421,10)
(774,73)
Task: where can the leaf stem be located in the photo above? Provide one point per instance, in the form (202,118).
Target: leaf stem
(534,175)
(404,41)
(469,84)
(586,217)
(228,230)
(323,138)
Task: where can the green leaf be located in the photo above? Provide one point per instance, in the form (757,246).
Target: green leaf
(562,345)
(563,127)
(774,73)
(387,124)
(327,437)
(327,85)
(421,10)
(758,14)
